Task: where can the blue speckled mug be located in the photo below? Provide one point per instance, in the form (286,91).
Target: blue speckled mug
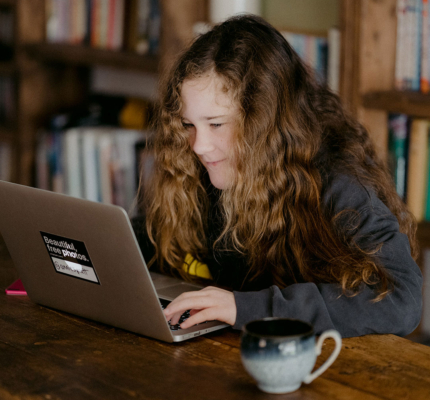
(280,353)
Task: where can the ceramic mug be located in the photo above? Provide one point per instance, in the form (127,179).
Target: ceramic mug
(280,353)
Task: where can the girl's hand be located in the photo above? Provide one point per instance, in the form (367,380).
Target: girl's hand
(208,304)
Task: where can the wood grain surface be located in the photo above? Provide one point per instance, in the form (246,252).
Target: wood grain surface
(47,354)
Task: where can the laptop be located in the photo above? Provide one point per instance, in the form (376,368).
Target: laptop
(83,258)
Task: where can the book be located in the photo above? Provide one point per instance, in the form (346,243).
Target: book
(409,44)
(425,40)
(417,167)
(56,164)
(397,150)
(42,165)
(90,161)
(86,154)
(416,44)
(313,50)
(94,24)
(116,32)
(16,289)
(400,66)
(154,26)
(5,161)
(72,166)
(141,39)
(125,141)
(103,22)
(105,167)
(427,187)
(333,63)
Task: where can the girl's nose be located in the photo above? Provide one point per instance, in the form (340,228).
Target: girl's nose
(201,142)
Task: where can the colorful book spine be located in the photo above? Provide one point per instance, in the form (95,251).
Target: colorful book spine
(116,32)
(425,71)
(417,45)
(400,69)
(95,27)
(95,163)
(417,167)
(397,151)
(314,51)
(154,26)
(427,188)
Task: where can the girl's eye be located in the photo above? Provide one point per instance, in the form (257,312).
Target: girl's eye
(216,125)
(187,126)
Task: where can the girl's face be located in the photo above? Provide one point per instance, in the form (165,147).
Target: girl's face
(210,115)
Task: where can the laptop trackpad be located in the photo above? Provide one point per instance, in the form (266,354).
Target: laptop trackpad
(171,292)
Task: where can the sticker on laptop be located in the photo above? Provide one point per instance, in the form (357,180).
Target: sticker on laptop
(70,257)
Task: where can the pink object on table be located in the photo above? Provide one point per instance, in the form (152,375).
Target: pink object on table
(16,288)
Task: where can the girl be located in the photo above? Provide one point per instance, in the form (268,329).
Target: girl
(265,184)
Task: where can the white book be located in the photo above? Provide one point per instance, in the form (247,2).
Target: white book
(72,162)
(89,150)
(333,67)
(52,20)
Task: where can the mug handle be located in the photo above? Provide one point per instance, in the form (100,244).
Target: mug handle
(338,344)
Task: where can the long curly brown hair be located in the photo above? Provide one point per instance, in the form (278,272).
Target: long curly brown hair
(293,133)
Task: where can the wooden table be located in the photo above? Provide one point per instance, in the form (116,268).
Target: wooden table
(46,354)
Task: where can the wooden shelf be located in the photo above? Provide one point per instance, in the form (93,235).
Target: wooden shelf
(88,56)
(9,3)
(412,103)
(7,68)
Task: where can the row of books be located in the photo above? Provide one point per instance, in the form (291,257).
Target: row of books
(6,33)
(313,50)
(409,161)
(5,161)
(94,163)
(321,53)
(412,71)
(7,100)
(108,24)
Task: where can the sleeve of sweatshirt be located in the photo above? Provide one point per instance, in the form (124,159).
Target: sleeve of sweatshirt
(324,305)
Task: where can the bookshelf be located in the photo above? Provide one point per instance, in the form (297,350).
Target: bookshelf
(57,75)
(412,103)
(51,77)
(370,29)
(86,56)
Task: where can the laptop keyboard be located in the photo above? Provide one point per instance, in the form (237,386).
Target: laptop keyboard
(184,316)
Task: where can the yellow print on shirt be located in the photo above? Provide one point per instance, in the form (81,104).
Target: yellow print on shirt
(196,268)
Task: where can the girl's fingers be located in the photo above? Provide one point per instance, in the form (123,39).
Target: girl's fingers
(182,304)
(205,305)
(208,314)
